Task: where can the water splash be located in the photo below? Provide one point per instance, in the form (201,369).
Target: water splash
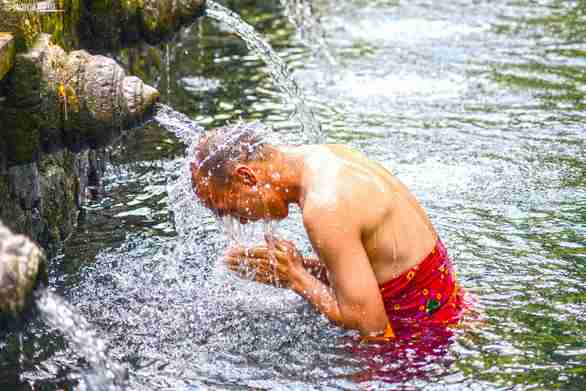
(248,234)
(106,375)
(192,220)
(186,129)
(188,213)
(280,73)
(20,351)
(311,34)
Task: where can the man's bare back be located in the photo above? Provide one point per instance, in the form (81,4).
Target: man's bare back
(347,188)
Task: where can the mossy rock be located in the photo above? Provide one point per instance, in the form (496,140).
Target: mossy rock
(111,25)
(20,135)
(43,199)
(7,52)
(59,192)
(22,268)
(55,99)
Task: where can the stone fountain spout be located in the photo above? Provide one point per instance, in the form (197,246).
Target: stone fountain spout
(55,98)
(22,272)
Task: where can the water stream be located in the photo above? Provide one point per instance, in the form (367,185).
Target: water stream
(310,126)
(478,107)
(106,373)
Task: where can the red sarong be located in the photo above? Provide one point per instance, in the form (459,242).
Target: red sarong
(425,295)
(421,304)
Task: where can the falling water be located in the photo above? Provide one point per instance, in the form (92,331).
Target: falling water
(189,131)
(186,129)
(185,207)
(106,375)
(20,351)
(168,68)
(311,34)
(247,235)
(310,127)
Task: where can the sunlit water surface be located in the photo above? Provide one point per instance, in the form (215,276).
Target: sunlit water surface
(477,106)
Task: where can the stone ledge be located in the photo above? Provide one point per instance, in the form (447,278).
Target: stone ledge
(7,52)
(55,99)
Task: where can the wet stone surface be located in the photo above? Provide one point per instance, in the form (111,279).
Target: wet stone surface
(58,112)
(22,263)
(6,53)
(56,99)
(42,199)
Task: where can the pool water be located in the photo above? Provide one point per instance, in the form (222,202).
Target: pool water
(477,106)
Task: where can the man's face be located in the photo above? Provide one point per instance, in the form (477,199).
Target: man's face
(241,199)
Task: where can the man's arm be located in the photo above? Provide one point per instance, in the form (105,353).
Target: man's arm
(353,298)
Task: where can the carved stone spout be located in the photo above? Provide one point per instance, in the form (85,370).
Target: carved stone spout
(58,99)
(22,269)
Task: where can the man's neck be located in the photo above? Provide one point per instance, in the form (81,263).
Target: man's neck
(292,171)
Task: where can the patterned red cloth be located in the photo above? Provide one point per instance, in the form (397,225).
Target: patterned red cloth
(425,295)
(421,304)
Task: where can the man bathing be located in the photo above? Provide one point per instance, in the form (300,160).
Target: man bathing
(381,264)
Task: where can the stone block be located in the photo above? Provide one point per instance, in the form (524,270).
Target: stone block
(7,52)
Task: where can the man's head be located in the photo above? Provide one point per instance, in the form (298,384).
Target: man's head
(233,173)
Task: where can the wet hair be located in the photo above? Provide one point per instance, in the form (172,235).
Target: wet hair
(221,149)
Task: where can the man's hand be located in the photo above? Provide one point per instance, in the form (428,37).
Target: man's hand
(278,263)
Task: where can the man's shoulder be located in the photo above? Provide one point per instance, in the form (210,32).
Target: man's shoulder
(316,209)
(322,214)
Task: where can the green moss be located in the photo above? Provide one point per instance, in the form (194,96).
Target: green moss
(7,57)
(71,23)
(5,206)
(150,20)
(11,212)
(155,57)
(21,135)
(59,184)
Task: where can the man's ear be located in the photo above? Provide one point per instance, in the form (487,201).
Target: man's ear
(246,175)
(194,172)
(194,168)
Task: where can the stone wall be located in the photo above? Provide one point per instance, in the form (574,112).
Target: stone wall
(121,23)
(53,100)
(60,107)
(104,25)
(56,108)
(42,198)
